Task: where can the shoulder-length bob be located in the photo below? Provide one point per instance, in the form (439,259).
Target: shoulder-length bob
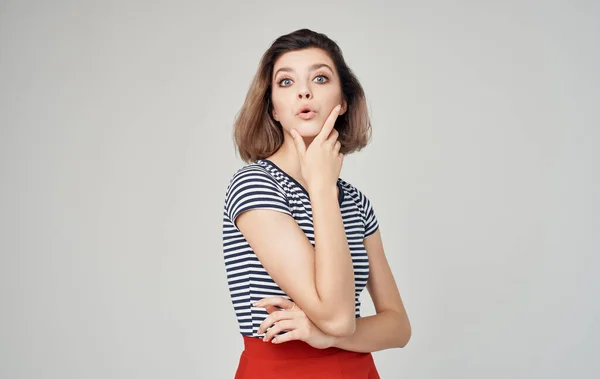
(257,135)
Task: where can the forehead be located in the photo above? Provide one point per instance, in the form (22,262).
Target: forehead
(302,59)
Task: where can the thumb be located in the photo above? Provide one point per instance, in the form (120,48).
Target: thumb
(298,142)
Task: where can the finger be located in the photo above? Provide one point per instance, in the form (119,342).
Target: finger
(298,142)
(332,139)
(333,136)
(337,147)
(329,123)
(275,300)
(279,327)
(289,336)
(271,308)
(273,318)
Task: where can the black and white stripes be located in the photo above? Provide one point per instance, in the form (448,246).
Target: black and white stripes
(264,185)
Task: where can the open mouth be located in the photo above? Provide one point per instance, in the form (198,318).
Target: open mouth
(306,115)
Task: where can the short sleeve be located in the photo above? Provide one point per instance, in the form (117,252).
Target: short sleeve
(369,217)
(253,188)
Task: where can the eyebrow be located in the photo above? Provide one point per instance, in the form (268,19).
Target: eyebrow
(311,68)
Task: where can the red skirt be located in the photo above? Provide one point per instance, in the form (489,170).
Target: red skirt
(298,360)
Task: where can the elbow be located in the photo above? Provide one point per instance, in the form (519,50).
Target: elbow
(335,321)
(405,338)
(339,327)
(405,333)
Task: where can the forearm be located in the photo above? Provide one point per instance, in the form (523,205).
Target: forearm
(385,330)
(334,273)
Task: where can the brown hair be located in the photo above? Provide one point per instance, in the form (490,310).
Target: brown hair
(257,135)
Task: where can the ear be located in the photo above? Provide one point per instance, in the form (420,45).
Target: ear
(275,114)
(344,107)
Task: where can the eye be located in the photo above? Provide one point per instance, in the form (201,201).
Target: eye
(282,80)
(323,76)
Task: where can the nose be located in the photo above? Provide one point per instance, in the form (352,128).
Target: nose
(304,93)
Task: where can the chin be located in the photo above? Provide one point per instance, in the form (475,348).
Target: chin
(309,129)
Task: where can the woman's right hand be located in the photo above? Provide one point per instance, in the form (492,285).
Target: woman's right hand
(321,163)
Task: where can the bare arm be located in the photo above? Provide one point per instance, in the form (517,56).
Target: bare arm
(319,279)
(390,327)
(334,270)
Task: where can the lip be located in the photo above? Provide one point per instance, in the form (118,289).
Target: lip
(307,115)
(305,107)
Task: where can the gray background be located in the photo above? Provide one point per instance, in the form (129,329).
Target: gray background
(116,150)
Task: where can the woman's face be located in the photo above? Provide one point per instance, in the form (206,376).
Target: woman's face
(301,78)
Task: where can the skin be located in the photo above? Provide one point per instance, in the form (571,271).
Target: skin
(319,88)
(320,278)
(310,154)
(388,328)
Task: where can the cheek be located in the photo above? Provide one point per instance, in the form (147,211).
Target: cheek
(277,103)
(281,109)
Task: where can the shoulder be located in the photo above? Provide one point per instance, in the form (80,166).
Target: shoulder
(252,174)
(363,203)
(352,191)
(253,186)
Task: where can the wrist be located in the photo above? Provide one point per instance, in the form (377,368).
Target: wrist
(334,341)
(323,190)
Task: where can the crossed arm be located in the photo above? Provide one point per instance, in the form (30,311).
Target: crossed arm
(321,279)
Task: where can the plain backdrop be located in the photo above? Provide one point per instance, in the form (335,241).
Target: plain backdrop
(116,148)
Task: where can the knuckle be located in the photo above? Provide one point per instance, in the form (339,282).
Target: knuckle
(305,324)
(304,334)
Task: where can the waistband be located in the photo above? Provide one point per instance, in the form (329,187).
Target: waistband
(255,347)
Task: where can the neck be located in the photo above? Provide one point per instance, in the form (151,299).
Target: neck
(286,157)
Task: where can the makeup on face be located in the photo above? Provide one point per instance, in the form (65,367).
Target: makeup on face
(312,68)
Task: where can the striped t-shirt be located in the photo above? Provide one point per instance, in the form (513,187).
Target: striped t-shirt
(262,184)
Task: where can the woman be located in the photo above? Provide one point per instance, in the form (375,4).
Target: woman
(300,243)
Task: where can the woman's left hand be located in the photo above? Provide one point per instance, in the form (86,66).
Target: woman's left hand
(291,318)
